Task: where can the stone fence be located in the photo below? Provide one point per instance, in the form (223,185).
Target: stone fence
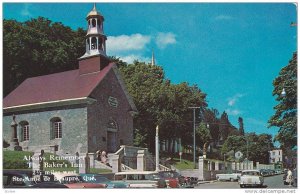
(207,169)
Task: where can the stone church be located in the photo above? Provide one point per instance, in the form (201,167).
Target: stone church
(82,110)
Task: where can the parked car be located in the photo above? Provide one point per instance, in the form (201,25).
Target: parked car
(141,179)
(49,185)
(173,179)
(251,178)
(278,171)
(18,179)
(264,172)
(271,172)
(75,181)
(97,178)
(28,179)
(228,177)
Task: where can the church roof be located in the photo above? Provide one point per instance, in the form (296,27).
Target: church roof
(55,87)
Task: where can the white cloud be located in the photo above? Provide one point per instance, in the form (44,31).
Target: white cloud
(131,58)
(134,47)
(233,112)
(234,99)
(125,43)
(223,17)
(164,39)
(25,11)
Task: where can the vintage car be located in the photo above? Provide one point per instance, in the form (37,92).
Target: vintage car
(18,179)
(29,179)
(75,181)
(141,179)
(228,177)
(251,178)
(173,179)
(97,178)
(47,185)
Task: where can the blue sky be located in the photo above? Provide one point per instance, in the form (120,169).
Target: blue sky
(232,51)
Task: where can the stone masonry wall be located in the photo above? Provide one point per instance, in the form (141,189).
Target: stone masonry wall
(74,130)
(100,113)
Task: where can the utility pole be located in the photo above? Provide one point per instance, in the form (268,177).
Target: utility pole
(247,152)
(157,149)
(194,134)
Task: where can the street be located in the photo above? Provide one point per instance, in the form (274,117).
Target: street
(269,182)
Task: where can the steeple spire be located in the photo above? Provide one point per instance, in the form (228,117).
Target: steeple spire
(153,59)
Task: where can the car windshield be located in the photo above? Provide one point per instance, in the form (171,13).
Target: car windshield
(169,174)
(91,178)
(100,179)
(72,179)
(251,173)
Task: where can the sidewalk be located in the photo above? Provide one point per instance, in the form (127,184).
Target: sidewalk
(204,182)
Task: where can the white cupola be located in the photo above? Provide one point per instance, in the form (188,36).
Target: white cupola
(95,38)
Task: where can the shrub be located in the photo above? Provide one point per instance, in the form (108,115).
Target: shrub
(5,144)
(16,159)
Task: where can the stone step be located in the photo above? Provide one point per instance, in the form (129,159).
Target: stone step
(99,164)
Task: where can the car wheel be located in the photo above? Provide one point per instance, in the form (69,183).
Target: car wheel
(242,186)
(231,179)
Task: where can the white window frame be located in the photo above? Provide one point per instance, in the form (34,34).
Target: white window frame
(57,129)
(25,132)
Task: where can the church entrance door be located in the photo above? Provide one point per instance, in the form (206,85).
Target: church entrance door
(111,141)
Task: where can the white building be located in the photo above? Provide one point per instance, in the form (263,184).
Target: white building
(275,156)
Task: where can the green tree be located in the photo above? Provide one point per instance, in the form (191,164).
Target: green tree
(38,47)
(211,118)
(160,103)
(258,147)
(241,126)
(233,143)
(285,116)
(226,128)
(203,135)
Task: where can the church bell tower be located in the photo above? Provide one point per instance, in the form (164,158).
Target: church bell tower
(95,38)
(95,57)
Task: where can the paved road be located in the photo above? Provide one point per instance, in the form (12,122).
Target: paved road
(270,182)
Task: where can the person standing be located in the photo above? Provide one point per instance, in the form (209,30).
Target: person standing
(289,177)
(41,160)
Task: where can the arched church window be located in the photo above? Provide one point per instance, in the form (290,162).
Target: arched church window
(24,130)
(94,43)
(89,23)
(56,128)
(93,23)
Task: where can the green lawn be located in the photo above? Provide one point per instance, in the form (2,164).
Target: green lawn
(184,164)
(18,160)
(99,171)
(73,169)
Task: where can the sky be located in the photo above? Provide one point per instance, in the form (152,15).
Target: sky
(232,51)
